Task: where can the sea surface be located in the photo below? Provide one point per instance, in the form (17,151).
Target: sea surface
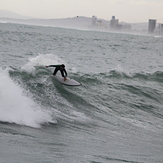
(116,116)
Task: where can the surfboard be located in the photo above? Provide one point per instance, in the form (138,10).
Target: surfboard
(68,82)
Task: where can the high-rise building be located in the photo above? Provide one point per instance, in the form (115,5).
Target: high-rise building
(113,22)
(151,26)
(160,29)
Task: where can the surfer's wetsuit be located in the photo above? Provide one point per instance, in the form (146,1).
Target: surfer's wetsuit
(61,68)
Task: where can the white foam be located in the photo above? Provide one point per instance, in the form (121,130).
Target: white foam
(41,60)
(16,107)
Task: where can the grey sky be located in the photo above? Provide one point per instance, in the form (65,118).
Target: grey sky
(125,10)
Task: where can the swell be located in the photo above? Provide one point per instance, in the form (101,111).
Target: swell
(128,93)
(39,81)
(101,96)
(155,76)
(64,103)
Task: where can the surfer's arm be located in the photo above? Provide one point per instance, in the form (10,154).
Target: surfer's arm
(65,78)
(63,73)
(52,66)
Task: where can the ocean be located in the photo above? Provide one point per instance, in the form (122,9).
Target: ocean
(116,116)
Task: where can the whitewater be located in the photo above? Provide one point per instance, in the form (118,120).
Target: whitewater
(116,116)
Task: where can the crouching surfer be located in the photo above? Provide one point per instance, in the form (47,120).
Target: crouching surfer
(61,68)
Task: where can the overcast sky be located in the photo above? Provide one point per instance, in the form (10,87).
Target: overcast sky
(130,11)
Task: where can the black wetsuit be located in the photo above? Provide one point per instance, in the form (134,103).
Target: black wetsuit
(58,67)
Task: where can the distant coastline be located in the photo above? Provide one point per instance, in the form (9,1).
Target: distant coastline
(78,22)
(75,22)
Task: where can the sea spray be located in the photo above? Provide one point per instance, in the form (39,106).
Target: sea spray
(41,60)
(17,107)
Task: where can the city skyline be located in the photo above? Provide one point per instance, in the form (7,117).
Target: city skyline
(131,11)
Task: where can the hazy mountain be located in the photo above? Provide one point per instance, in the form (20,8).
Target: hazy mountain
(12,15)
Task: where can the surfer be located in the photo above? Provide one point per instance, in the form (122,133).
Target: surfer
(61,68)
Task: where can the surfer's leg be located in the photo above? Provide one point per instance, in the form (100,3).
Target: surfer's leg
(55,71)
(62,74)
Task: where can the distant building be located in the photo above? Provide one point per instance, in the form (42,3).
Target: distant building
(119,27)
(99,24)
(160,29)
(94,20)
(126,27)
(151,26)
(113,23)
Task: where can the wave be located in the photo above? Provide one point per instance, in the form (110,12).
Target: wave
(17,107)
(60,103)
(40,100)
(130,92)
(36,65)
(155,76)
